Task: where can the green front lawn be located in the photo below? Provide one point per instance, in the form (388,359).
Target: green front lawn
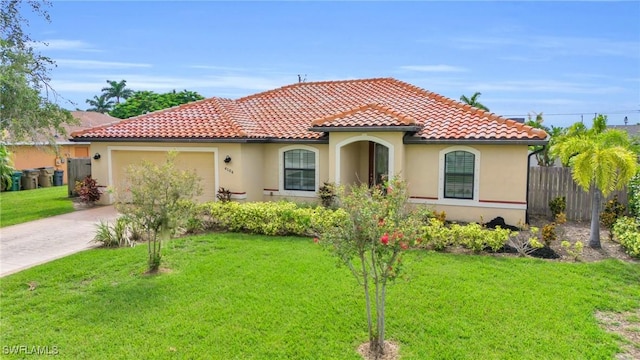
(21,206)
(234,296)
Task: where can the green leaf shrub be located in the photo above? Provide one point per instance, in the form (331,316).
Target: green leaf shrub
(634,196)
(627,231)
(438,236)
(558,205)
(272,218)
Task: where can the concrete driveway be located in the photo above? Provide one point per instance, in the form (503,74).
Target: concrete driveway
(25,245)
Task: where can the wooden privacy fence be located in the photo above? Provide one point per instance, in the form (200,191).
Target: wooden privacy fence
(77,170)
(548,183)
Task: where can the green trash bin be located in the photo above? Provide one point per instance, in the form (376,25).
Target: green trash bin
(58,180)
(16,178)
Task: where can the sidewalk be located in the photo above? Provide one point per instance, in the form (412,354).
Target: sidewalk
(25,245)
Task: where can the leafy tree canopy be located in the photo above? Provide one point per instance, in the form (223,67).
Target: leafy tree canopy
(543,153)
(26,112)
(473,101)
(100,104)
(599,157)
(142,102)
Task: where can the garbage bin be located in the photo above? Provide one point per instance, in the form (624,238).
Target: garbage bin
(15,181)
(30,179)
(45,179)
(58,179)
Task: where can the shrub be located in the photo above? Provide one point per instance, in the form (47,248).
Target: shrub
(634,196)
(224,195)
(549,233)
(575,250)
(327,194)
(438,236)
(272,218)
(627,231)
(87,190)
(612,211)
(526,240)
(558,205)
(118,234)
(156,201)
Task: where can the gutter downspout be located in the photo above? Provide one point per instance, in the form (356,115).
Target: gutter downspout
(526,214)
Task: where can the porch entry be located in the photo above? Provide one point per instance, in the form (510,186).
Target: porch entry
(378,163)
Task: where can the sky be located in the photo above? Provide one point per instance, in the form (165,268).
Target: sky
(567,60)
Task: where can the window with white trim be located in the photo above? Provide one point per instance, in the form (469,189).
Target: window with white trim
(299,170)
(459,173)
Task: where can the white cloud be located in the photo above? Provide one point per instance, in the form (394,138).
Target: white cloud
(549,46)
(62,44)
(551,86)
(96,64)
(433,68)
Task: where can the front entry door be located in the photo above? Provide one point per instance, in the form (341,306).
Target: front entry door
(378,163)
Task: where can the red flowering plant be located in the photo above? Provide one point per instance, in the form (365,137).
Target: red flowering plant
(370,242)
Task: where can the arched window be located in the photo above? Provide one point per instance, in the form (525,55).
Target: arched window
(299,170)
(459,173)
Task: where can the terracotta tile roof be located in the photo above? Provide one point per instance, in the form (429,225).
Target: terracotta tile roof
(369,115)
(293,111)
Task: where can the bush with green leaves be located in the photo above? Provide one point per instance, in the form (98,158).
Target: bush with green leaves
(558,205)
(526,241)
(154,197)
(438,236)
(379,226)
(613,210)
(117,234)
(272,218)
(627,231)
(633,197)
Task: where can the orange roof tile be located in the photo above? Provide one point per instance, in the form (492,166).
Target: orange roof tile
(293,111)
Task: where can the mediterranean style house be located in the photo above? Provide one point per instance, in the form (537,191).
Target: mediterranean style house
(285,143)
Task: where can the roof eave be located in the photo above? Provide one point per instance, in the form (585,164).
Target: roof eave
(322,140)
(413,140)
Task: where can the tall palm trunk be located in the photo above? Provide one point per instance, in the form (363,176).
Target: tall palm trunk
(594,240)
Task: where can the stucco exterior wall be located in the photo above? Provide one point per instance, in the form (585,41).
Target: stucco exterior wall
(341,142)
(502,181)
(31,157)
(205,159)
(272,171)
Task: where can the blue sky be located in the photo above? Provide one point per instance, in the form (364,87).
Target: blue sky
(567,58)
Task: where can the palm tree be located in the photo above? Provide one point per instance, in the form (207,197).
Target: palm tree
(473,101)
(117,90)
(100,104)
(600,158)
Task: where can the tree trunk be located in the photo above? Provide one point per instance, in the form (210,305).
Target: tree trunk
(365,277)
(594,240)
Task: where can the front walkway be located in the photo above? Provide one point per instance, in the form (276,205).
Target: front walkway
(26,245)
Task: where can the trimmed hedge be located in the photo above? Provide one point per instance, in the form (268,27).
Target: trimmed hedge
(272,218)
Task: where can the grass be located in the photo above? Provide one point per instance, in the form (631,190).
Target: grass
(21,206)
(235,296)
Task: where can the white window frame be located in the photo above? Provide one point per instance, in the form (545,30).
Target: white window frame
(476,176)
(298,193)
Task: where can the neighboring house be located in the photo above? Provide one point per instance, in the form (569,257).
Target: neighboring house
(632,130)
(29,155)
(284,143)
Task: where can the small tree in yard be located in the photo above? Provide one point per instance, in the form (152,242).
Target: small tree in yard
(154,200)
(370,243)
